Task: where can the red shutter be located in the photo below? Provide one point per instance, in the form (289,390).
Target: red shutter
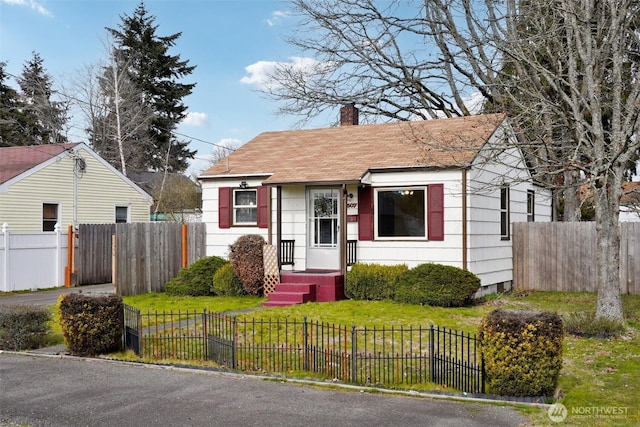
(224,207)
(263,207)
(435,213)
(365,213)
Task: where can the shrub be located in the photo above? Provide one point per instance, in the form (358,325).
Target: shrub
(226,282)
(585,324)
(91,325)
(373,281)
(23,327)
(195,280)
(437,284)
(522,351)
(246,258)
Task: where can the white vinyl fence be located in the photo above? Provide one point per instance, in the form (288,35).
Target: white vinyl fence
(32,260)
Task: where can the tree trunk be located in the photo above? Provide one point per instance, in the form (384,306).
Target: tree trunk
(571,211)
(609,301)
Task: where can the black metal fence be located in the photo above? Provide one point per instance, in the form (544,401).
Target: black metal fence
(367,356)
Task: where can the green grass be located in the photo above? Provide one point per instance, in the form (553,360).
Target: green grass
(162,302)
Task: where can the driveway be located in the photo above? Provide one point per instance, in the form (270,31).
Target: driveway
(69,391)
(50,297)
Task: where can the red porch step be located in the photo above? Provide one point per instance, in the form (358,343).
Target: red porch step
(290,294)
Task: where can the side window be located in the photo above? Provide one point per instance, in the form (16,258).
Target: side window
(122,214)
(531,206)
(49,216)
(504,213)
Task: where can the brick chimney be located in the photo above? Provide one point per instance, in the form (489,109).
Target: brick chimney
(348,115)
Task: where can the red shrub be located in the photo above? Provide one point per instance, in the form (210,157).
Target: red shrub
(246,258)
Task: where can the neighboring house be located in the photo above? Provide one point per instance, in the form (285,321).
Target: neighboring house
(68,184)
(629,202)
(175,196)
(442,191)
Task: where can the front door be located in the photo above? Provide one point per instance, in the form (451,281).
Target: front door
(323,228)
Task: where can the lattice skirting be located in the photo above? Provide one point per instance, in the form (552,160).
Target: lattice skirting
(271,273)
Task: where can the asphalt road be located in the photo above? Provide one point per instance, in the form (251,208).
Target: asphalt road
(50,297)
(69,391)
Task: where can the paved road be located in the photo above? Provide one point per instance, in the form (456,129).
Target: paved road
(50,297)
(67,391)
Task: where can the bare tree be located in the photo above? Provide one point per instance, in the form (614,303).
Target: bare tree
(567,71)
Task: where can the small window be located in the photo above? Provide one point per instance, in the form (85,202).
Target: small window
(49,216)
(122,214)
(504,213)
(245,207)
(531,206)
(401,213)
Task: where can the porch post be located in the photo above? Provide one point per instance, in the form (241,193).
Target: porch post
(343,231)
(278,224)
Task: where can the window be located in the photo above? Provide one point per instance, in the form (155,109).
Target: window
(49,216)
(504,213)
(531,206)
(245,207)
(122,214)
(401,212)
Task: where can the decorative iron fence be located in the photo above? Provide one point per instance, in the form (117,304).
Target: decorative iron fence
(366,356)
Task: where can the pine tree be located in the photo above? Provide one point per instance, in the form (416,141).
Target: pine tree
(157,75)
(13,119)
(47,117)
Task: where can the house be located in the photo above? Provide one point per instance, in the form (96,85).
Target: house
(442,191)
(176,197)
(66,184)
(629,202)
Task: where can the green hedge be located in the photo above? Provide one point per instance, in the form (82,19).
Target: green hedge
(195,280)
(226,282)
(437,285)
(373,281)
(91,325)
(23,327)
(522,351)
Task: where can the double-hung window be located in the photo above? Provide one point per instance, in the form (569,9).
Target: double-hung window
(531,206)
(401,213)
(504,213)
(49,216)
(122,214)
(245,207)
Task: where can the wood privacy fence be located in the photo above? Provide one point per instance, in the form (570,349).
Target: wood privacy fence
(561,256)
(149,254)
(136,257)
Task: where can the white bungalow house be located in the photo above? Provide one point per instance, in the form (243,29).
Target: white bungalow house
(442,191)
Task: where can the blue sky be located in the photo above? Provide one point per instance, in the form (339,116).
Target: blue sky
(232,42)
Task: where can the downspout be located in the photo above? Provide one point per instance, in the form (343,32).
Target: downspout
(464,219)
(278,223)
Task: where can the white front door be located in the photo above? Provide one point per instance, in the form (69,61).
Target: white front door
(323,228)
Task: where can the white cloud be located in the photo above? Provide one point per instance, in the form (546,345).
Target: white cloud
(29,3)
(276,17)
(474,102)
(261,73)
(195,119)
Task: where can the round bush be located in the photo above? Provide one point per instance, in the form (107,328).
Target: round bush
(522,351)
(226,282)
(245,255)
(195,280)
(438,285)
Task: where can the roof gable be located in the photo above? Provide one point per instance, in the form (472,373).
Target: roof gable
(347,153)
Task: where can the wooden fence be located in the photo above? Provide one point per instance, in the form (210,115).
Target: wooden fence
(561,256)
(94,255)
(149,254)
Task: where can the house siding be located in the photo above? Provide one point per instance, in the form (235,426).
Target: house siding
(99,191)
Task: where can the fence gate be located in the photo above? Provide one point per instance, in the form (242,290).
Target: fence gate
(221,339)
(132,329)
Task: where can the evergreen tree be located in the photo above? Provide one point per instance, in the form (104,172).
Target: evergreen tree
(157,74)
(13,119)
(47,117)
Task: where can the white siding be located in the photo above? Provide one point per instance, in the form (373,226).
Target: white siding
(99,191)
